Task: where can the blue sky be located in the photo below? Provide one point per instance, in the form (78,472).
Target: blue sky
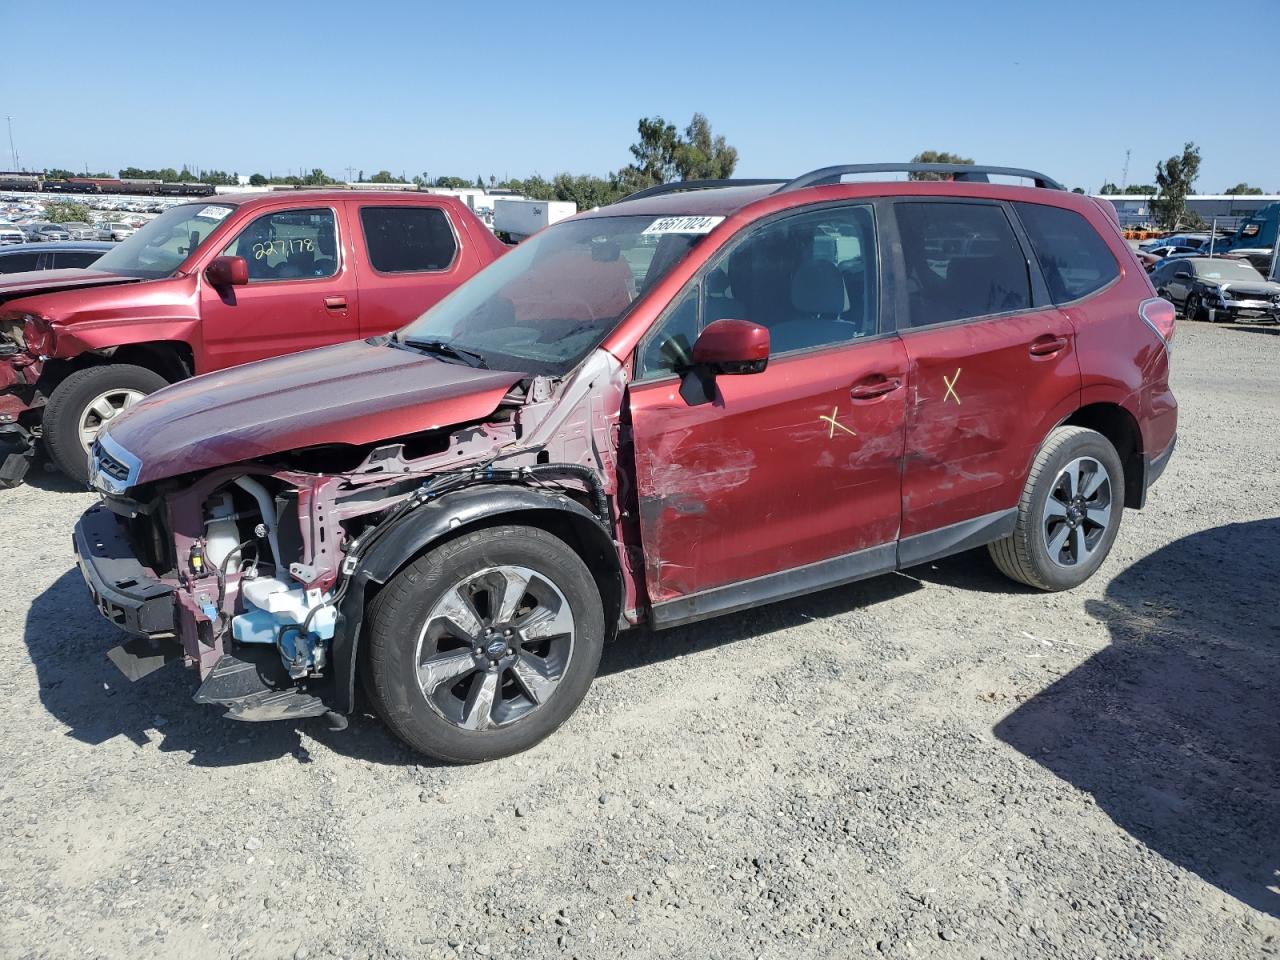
(497,88)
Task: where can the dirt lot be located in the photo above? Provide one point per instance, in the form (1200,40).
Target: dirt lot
(935,764)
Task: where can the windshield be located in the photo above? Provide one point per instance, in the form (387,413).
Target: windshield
(1225,270)
(542,307)
(160,246)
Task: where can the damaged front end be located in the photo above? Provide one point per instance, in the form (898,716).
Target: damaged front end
(22,339)
(257,574)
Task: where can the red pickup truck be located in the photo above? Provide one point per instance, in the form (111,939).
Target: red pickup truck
(212,284)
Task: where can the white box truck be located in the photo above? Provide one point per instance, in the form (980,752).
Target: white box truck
(517,219)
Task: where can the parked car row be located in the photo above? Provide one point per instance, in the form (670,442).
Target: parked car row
(1217,289)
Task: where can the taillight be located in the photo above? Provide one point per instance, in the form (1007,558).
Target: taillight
(1160,316)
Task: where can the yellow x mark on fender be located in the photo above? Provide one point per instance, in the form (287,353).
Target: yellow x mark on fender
(951,387)
(831,431)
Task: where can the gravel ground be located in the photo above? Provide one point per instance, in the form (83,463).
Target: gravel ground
(934,764)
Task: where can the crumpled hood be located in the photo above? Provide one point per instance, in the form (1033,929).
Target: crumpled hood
(1248,289)
(32,282)
(352,393)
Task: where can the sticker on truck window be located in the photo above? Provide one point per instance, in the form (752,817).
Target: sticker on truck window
(214,213)
(682,225)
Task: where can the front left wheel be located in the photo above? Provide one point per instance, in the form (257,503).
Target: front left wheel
(484,645)
(84,403)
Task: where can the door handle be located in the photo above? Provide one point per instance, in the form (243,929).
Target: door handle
(1048,345)
(335,303)
(869,391)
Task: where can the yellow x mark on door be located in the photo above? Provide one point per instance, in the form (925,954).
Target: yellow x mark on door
(951,387)
(835,424)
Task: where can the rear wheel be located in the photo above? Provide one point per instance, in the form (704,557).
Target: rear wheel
(84,403)
(1069,512)
(485,645)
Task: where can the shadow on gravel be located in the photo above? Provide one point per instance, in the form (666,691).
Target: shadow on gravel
(1175,727)
(43,475)
(640,648)
(972,571)
(68,642)
(1272,329)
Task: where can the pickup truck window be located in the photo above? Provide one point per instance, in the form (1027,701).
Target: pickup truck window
(288,245)
(161,246)
(408,239)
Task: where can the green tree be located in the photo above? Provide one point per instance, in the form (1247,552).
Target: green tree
(585,190)
(935,156)
(257,180)
(479,182)
(452,183)
(64,211)
(702,156)
(57,173)
(1175,177)
(1077,190)
(1110,190)
(385,176)
(318,178)
(655,151)
(1245,189)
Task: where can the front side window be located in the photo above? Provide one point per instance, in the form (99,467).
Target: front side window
(962,261)
(160,247)
(545,305)
(1074,259)
(288,245)
(811,279)
(408,239)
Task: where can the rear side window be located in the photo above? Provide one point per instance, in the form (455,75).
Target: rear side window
(1075,260)
(19,262)
(962,260)
(408,239)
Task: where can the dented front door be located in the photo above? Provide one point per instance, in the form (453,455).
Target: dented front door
(783,468)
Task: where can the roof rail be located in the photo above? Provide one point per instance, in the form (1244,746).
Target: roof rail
(959,171)
(675,186)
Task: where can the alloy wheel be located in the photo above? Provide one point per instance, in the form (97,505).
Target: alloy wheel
(102,409)
(1077,512)
(494,647)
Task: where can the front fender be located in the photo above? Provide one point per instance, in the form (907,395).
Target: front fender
(454,512)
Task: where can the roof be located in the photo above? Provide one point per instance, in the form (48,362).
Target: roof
(319,196)
(726,201)
(52,246)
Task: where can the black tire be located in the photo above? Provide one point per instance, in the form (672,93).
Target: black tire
(1195,308)
(71,399)
(1024,556)
(398,620)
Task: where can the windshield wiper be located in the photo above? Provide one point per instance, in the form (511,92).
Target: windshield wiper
(445,349)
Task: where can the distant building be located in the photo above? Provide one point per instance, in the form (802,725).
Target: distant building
(1229,208)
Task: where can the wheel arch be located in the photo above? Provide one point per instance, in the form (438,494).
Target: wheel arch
(452,516)
(172,359)
(1120,427)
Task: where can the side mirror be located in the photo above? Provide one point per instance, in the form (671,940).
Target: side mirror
(228,271)
(732,346)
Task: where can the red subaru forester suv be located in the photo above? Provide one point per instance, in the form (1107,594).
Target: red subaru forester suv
(706,397)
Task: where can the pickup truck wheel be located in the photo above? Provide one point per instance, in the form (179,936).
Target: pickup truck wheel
(81,404)
(485,645)
(1069,512)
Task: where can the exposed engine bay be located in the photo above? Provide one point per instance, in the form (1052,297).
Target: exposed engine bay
(264,563)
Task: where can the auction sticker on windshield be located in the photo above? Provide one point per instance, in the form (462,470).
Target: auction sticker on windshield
(682,225)
(214,213)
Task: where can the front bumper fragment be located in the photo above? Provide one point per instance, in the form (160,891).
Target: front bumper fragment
(123,589)
(16,449)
